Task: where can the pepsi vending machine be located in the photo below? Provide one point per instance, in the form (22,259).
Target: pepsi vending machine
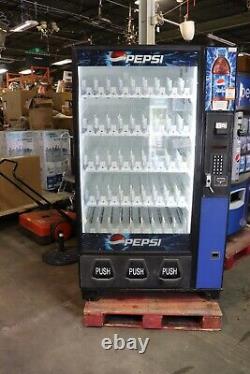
(154,142)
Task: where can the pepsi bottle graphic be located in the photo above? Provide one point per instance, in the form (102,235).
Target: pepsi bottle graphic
(221,73)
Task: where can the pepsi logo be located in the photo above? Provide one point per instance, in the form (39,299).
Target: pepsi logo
(221,81)
(117,239)
(117,56)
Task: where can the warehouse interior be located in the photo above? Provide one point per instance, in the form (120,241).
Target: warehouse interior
(144,237)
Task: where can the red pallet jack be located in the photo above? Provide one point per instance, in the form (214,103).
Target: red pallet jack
(46,225)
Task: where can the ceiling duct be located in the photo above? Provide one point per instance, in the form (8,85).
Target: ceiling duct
(221,40)
(99,17)
(7,60)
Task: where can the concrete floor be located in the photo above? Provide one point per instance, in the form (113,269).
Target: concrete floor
(41,330)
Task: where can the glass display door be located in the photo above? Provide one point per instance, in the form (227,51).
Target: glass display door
(137,131)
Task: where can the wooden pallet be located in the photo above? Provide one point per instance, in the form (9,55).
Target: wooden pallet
(52,197)
(230,261)
(238,246)
(171,312)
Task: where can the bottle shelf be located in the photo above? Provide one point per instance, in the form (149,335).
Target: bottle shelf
(137,161)
(137,190)
(136,205)
(138,170)
(174,134)
(135,96)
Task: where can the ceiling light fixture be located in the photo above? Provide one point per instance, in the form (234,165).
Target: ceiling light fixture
(25,72)
(62,62)
(187,28)
(221,40)
(27,25)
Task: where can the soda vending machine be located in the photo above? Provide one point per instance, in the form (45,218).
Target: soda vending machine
(154,141)
(238,209)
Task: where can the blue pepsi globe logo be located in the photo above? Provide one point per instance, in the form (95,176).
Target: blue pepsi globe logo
(117,58)
(117,239)
(116,242)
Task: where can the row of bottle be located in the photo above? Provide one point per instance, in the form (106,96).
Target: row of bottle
(175,125)
(136,220)
(119,158)
(137,86)
(137,190)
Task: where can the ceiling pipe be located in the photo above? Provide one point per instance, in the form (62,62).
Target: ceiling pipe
(221,40)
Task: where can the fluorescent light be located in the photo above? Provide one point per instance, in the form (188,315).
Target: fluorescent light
(29,24)
(2,71)
(62,62)
(241,54)
(25,72)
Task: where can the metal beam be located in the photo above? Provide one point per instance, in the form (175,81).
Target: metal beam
(214,25)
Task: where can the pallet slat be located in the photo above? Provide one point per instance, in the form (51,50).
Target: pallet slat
(238,246)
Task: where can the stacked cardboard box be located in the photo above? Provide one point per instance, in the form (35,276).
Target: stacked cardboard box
(52,146)
(40,113)
(11,198)
(15,103)
(62,99)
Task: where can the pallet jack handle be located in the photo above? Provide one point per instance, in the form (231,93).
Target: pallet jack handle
(46,203)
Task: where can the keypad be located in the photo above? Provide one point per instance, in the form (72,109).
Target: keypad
(218,164)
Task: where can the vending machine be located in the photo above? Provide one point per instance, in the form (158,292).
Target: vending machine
(239,197)
(154,142)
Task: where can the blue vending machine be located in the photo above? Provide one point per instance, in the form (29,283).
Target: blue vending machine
(154,139)
(239,197)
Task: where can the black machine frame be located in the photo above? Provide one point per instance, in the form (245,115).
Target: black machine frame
(199,175)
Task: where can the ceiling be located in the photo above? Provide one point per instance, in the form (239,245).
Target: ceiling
(77,20)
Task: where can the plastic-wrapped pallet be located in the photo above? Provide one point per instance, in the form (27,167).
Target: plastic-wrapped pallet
(16,143)
(53,147)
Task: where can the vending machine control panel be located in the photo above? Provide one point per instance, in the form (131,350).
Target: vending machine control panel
(218,146)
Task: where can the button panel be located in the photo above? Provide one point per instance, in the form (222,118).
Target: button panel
(137,270)
(103,270)
(218,161)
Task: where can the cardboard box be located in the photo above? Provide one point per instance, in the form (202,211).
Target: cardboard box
(40,114)
(63,122)
(15,103)
(59,99)
(28,170)
(40,118)
(54,150)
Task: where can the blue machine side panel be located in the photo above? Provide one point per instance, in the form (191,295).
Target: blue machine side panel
(213,227)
